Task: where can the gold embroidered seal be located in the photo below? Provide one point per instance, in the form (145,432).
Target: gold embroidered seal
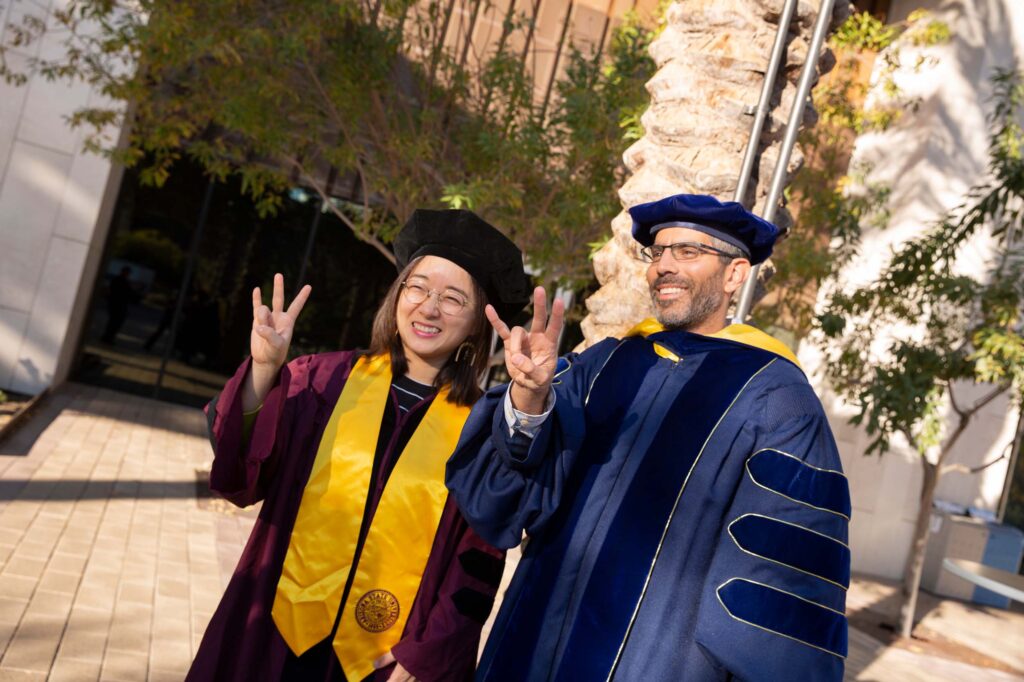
(377,610)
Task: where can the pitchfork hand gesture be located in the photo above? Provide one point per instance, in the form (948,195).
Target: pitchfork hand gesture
(272,330)
(530,356)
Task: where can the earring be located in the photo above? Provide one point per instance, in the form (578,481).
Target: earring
(466,349)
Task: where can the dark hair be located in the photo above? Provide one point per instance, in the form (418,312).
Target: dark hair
(462,377)
(730,254)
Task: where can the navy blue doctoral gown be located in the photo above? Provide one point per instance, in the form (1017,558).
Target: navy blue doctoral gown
(686,513)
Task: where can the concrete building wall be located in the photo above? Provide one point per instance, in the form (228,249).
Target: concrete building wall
(51,196)
(930,160)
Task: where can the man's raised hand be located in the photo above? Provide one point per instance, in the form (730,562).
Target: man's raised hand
(272,328)
(531,356)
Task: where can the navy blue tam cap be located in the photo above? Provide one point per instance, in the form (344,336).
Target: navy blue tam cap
(727,220)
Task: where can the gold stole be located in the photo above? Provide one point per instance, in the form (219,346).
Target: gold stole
(394,556)
(741,333)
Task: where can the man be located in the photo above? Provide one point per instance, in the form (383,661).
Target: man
(681,490)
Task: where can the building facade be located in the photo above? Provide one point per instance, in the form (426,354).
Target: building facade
(56,205)
(929,160)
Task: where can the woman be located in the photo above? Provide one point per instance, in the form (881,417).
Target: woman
(359,566)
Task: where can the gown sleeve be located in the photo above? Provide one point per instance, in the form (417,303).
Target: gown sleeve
(505,484)
(454,601)
(773,605)
(243,463)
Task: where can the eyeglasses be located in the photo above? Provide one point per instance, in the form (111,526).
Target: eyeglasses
(448,301)
(682,251)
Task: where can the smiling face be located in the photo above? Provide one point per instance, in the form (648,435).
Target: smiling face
(693,295)
(430,335)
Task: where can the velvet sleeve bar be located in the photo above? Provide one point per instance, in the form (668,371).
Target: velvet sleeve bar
(773,605)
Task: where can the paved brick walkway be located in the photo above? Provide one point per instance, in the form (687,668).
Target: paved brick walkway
(111,564)
(111,569)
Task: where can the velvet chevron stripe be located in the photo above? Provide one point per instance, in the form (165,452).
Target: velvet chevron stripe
(617,584)
(796,480)
(625,371)
(794,546)
(482,566)
(785,614)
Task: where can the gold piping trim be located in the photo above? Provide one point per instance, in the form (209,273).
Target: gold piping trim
(668,522)
(795,525)
(554,380)
(586,401)
(781,452)
(756,482)
(743,549)
(778,589)
(761,627)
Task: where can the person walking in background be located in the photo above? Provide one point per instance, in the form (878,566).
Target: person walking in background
(680,488)
(360,566)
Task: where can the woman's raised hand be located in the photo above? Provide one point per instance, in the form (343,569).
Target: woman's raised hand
(272,328)
(531,356)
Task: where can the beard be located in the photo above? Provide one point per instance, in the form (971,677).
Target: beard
(705,298)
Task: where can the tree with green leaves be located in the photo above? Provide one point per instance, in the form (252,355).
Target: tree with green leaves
(368,99)
(962,330)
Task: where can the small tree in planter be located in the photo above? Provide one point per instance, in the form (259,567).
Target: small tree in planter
(965,330)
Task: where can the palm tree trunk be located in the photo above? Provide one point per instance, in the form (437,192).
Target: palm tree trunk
(711,60)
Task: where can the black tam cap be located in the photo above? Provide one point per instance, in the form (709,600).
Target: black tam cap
(470,242)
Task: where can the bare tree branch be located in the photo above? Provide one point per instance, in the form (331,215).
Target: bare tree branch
(996,392)
(952,400)
(964,469)
(366,238)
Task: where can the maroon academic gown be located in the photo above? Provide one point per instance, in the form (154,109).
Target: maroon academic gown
(441,636)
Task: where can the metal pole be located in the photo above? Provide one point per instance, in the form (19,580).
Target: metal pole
(309,245)
(796,114)
(764,102)
(186,280)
